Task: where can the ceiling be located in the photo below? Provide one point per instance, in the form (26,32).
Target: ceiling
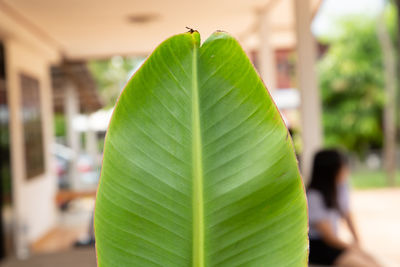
(100,28)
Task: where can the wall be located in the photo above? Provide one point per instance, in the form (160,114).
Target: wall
(29,51)
(33,200)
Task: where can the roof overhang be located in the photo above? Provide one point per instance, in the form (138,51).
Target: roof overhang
(100,28)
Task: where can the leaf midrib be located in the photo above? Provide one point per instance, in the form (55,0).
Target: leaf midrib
(197,201)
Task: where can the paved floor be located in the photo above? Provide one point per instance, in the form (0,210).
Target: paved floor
(71,258)
(377,216)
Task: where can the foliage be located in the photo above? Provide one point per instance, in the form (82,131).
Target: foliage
(111,75)
(371,179)
(198,168)
(59,125)
(351,82)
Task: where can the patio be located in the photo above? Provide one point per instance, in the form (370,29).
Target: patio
(44,40)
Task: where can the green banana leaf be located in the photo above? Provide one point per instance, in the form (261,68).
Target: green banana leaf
(199,168)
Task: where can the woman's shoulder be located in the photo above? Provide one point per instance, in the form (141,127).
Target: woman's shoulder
(315,198)
(317,210)
(313,193)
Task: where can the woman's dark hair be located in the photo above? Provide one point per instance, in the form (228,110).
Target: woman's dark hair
(327,164)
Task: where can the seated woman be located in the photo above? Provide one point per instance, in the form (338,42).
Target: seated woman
(328,202)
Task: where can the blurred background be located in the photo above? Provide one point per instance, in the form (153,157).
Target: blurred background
(332,67)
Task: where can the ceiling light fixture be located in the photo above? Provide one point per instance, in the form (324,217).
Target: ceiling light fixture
(142,18)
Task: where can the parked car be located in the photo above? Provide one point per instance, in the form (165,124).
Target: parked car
(86,168)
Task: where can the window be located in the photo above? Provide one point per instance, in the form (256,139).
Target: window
(32,123)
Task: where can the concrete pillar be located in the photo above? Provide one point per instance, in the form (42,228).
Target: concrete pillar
(71,110)
(307,81)
(91,145)
(266,59)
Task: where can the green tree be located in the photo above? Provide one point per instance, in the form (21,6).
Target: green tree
(351,82)
(111,75)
